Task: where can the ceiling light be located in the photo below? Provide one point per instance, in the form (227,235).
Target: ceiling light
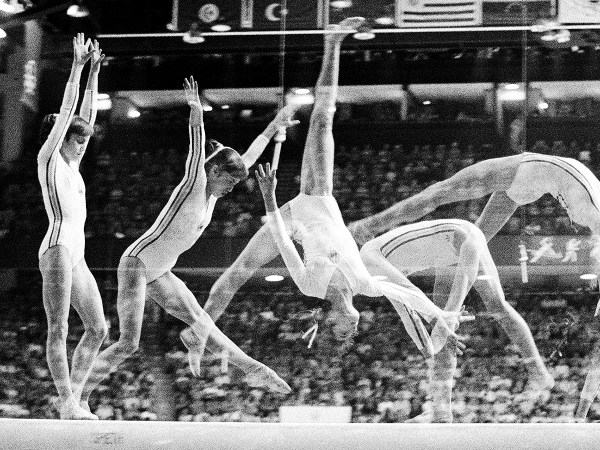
(78,11)
(301,91)
(220,27)
(384,20)
(274,278)
(543,105)
(512,86)
(340,3)
(102,96)
(364,33)
(207,108)
(2,33)
(104,104)
(224,106)
(133,113)
(563,36)
(427,102)
(7,8)
(588,276)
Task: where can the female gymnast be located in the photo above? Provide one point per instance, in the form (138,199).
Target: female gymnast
(513,181)
(67,280)
(461,260)
(145,267)
(333,268)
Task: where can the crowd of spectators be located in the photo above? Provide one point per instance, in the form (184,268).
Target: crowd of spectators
(380,375)
(126,189)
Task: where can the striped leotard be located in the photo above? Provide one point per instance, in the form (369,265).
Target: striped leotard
(182,220)
(62,186)
(568,180)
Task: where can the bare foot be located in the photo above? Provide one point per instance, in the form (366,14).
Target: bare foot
(343,29)
(195,349)
(72,411)
(263,376)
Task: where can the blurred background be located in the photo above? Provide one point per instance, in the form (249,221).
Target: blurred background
(427,88)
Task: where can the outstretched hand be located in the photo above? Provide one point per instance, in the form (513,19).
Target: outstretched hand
(190,88)
(97,56)
(82,50)
(283,119)
(267,182)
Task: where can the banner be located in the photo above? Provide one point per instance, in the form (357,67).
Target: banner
(563,251)
(266,14)
(206,13)
(379,13)
(579,11)
(520,12)
(436,13)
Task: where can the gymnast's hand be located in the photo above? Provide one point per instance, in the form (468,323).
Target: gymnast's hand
(82,50)
(283,120)
(267,181)
(97,57)
(190,88)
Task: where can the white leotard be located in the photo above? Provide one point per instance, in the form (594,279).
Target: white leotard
(418,246)
(568,180)
(62,186)
(187,213)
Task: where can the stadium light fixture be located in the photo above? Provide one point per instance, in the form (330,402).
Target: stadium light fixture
(78,11)
(6,7)
(274,278)
(2,33)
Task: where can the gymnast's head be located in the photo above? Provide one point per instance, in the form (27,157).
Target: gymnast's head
(74,143)
(342,317)
(224,168)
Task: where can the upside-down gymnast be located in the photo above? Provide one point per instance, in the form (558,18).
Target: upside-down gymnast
(461,256)
(66,278)
(513,181)
(145,267)
(332,269)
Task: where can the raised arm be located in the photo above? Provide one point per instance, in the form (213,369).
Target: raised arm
(196,128)
(82,52)
(282,120)
(267,183)
(89,106)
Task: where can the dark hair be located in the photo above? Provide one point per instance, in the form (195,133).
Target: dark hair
(78,126)
(227,159)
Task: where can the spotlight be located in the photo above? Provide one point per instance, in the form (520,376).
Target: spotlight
(133,113)
(220,27)
(301,91)
(78,11)
(543,105)
(512,86)
(588,276)
(224,106)
(7,8)
(364,33)
(207,108)
(2,33)
(427,102)
(274,278)
(384,20)
(340,3)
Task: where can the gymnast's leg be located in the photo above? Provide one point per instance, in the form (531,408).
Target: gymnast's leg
(317,162)
(514,325)
(478,180)
(174,297)
(499,208)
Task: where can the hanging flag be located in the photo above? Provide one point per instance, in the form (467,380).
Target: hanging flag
(266,14)
(438,13)
(520,12)
(579,11)
(206,13)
